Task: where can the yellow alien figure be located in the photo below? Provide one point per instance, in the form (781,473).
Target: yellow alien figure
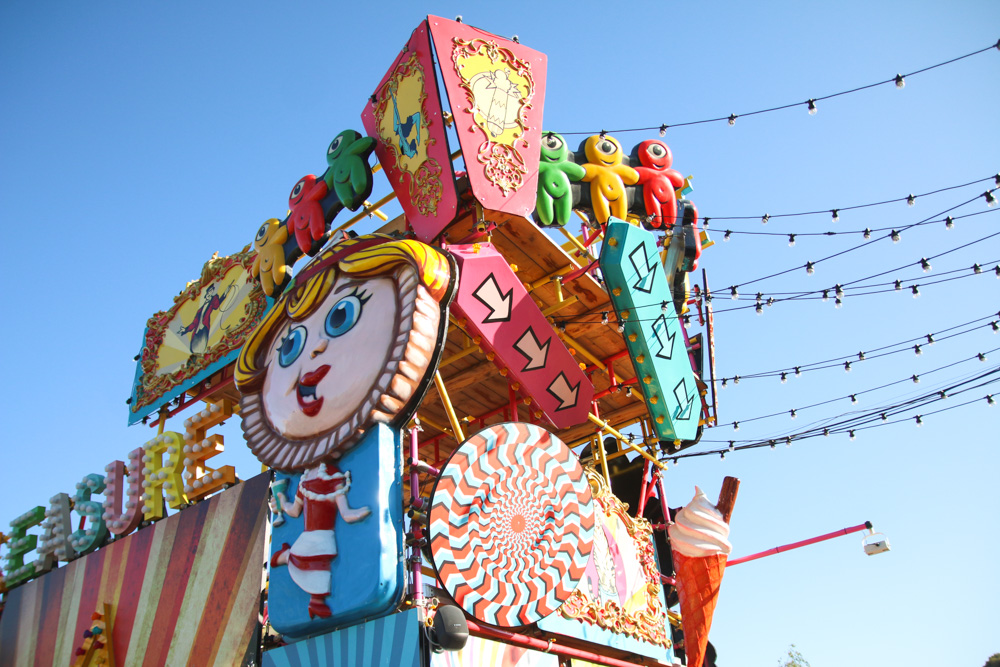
(269,265)
(607,177)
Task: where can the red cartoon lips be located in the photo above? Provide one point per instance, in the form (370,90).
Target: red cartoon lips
(306,391)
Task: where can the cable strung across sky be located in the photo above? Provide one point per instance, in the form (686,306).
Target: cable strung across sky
(899,81)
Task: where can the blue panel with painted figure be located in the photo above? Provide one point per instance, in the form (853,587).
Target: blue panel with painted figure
(635,279)
(337,542)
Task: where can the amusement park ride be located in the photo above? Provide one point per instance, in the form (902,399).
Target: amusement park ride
(464,415)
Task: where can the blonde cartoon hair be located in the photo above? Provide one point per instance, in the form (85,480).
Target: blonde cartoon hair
(425,282)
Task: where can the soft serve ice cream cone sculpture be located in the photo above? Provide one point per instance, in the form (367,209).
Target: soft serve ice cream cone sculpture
(699,542)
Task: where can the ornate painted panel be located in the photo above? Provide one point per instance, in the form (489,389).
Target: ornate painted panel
(201,333)
(641,296)
(496,88)
(619,603)
(496,307)
(404,116)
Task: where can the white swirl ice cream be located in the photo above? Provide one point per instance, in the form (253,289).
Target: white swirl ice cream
(699,530)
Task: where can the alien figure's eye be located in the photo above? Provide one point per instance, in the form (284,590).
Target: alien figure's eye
(291,346)
(344,315)
(656,150)
(607,147)
(297,190)
(262,232)
(552,142)
(334,145)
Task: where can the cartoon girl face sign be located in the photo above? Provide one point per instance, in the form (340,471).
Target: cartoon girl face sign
(353,342)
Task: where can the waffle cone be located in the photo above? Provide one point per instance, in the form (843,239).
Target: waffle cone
(698,582)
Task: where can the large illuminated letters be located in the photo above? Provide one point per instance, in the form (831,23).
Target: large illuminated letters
(163,473)
(21,543)
(94,529)
(202,480)
(56,529)
(123,518)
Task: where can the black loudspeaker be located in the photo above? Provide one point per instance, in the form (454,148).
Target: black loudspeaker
(450,631)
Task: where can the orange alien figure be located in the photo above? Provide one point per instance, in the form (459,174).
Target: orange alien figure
(607,177)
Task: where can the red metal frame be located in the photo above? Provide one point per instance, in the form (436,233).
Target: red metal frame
(795,545)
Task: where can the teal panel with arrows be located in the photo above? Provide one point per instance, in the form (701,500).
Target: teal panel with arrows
(635,279)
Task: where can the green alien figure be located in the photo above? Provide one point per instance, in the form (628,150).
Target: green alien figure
(554,202)
(349,174)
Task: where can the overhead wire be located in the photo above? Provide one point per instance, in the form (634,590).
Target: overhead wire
(898,80)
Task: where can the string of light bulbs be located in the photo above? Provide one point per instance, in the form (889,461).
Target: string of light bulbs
(853,397)
(930,339)
(949,223)
(810,267)
(839,290)
(875,418)
(899,81)
(834,213)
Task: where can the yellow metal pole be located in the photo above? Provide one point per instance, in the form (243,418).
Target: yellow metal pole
(446,401)
(621,438)
(434,424)
(576,242)
(559,306)
(459,355)
(366,210)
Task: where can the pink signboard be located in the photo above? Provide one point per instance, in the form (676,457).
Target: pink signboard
(497,307)
(404,117)
(496,88)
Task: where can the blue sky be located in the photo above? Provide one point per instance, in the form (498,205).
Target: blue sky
(138,139)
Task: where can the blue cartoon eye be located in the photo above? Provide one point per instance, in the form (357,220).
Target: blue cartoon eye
(291,346)
(343,316)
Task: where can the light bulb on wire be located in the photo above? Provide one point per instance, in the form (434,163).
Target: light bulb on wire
(911,200)
(867,233)
(991,201)
(792,413)
(732,119)
(728,234)
(764,218)
(734,293)
(894,235)
(811,105)
(791,240)
(810,267)
(663,130)
(924,264)
(916,291)
(900,81)
(835,215)
(917,351)
(949,222)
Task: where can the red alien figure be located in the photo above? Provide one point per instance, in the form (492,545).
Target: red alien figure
(658,183)
(306,219)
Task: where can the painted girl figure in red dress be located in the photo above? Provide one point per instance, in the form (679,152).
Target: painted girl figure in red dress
(321,494)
